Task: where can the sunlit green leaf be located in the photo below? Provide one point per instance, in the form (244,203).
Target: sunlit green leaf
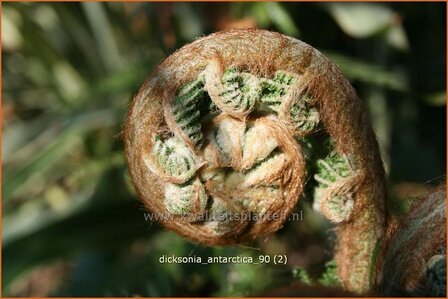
(436,99)
(280,17)
(260,13)
(397,38)
(361,19)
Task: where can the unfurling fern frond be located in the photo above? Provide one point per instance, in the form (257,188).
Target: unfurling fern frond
(337,181)
(273,90)
(304,116)
(174,159)
(331,169)
(187,200)
(249,152)
(225,218)
(240,91)
(436,276)
(185,110)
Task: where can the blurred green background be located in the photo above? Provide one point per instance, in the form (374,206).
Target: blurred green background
(72,225)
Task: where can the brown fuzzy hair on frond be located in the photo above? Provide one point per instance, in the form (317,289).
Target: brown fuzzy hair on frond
(237,105)
(413,257)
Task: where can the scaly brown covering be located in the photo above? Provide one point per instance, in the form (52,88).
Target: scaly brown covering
(413,259)
(257,55)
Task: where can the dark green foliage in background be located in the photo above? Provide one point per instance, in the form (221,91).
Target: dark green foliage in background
(72,225)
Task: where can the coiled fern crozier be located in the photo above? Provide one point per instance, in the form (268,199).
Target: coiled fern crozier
(185,110)
(412,260)
(275,89)
(337,182)
(216,135)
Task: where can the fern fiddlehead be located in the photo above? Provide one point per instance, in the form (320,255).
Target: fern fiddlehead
(174,159)
(186,200)
(186,113)
(413,255)
(304,116)
(435,278)
(235,93)
(271,92)
(300,112)
(338,181)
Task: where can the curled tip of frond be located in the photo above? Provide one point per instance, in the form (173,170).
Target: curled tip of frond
(218,129)
(413,259)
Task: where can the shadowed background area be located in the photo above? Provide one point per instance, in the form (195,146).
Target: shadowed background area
(72,224)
